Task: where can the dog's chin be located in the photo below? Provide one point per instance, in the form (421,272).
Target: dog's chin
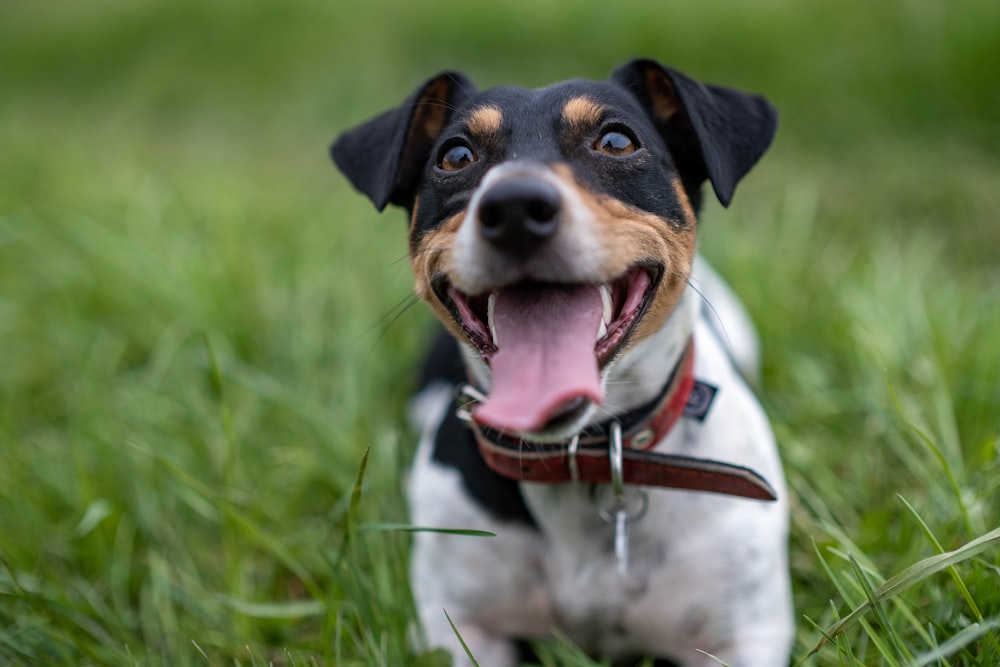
(573,417)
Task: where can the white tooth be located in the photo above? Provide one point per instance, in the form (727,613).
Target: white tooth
(602,330)
(605,304)
(491,305)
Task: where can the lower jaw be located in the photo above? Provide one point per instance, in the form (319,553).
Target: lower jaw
(563,427)
(571,417)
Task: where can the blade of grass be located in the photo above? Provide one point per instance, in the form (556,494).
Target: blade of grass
(963,589)
(274,610)
(460,640)
(239,518)
(349,519)
(407,528)
(875,603)
(939,455)
(713,658)
(958,641)
(913,575)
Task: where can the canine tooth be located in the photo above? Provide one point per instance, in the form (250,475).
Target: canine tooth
(491,304)
(602,330)
(606,312)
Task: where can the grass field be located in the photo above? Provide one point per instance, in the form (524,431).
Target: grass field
(199,336)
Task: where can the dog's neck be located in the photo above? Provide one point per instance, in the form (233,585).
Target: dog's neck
(632,380)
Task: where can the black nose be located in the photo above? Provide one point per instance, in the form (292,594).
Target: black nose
(517,215)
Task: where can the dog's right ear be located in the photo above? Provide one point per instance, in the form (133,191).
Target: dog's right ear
(385,157)
(714,133)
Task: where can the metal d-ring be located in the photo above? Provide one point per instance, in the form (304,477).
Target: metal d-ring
(634,504)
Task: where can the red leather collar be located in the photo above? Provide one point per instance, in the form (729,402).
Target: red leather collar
(529,461)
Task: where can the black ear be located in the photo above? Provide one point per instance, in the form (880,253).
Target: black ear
(385,157)
(713,132)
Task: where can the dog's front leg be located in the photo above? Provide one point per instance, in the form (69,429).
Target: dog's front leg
(764,642)
(486,591)
(490,586)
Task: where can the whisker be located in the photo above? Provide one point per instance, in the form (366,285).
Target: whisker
(718,318)
(441,104)
(458,82)
(610,410)
(396,261)
(386,321)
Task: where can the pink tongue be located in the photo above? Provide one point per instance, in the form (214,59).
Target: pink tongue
(545,358)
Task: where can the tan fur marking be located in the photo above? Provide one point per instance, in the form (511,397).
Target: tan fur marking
(431,258)
(661,93)
(628,236)
(690,218)
(485,121)
(582,111)
(432,109)
(429,116)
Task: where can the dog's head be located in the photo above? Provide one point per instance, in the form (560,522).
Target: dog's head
(551,230)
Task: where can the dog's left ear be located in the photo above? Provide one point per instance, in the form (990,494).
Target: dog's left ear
(384,157)
(713,132)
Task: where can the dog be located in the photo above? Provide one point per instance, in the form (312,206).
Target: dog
(607,436)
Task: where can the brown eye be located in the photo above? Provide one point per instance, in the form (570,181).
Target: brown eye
(615,143)
(459,156)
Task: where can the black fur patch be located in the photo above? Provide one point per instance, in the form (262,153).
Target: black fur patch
(455,445)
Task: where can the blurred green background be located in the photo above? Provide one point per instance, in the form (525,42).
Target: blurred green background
(202,328)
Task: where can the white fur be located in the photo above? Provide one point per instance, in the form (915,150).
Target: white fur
(707,572)
(729,318)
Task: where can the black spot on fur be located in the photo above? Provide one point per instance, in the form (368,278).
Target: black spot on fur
(455,445)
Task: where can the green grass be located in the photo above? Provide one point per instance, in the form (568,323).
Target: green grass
(195,339)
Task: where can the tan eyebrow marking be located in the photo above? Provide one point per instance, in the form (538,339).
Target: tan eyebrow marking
(485,121)
(582,111)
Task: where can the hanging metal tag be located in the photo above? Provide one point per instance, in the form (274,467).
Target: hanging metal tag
(622,512)
(621,542)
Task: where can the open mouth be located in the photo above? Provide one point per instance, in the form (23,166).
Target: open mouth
(546,343)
